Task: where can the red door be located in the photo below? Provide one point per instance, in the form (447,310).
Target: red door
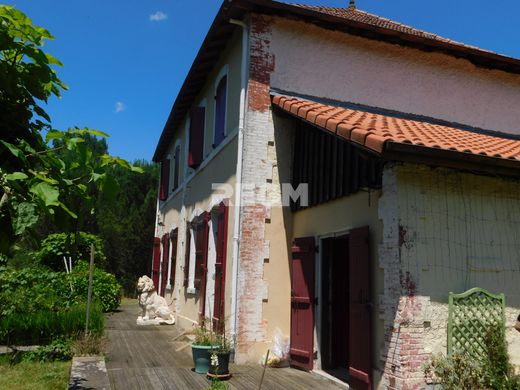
(220,267)
(302,299)
(164,267)
(173,238)
(360,348)
(156,263)
(201,261)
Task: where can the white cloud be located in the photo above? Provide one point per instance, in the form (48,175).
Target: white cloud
(158,16)
(120,107)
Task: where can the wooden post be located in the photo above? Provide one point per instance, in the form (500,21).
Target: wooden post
(263,372)
(90,277)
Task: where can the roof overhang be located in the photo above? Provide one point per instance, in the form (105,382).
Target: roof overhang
(221,31)
(410,140)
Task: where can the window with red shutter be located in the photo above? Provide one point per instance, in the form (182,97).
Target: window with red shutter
(221,226)
(187,255)
(173,239)
(176,167)
(201,259)
(164,263)
(165,179)
(156,263)
(220,111)
(196,142)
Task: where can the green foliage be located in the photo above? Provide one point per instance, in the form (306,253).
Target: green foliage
(55,246)
(106,290)
(59,349)
(44,326)
(462,372)
(217,385)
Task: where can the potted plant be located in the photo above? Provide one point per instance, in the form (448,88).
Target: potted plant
(219,359)
(204,342)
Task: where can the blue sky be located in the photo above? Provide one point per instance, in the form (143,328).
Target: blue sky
(125,60)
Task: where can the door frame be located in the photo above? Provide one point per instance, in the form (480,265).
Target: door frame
(318,316)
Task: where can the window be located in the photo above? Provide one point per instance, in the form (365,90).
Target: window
(196,142)
(173,264)
(187,255)
(164,264)
(220,229)
(220,111)
(176,167)
(165,179)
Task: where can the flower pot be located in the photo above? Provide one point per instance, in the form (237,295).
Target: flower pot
(222,370)
(201,357)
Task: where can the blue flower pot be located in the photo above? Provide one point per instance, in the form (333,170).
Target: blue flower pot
(201,357)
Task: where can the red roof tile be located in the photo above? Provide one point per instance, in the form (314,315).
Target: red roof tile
(356,15)
(376,131)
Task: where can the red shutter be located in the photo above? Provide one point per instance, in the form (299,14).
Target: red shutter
(173,239)
(201,260)
(177,164)
(360,363)
(156,263)
(302,303)
(165,257)
(165,179)
(196,143)
(187,255)
(220,267)
(220,111)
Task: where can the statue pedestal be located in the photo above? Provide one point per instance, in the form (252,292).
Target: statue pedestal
(153,321)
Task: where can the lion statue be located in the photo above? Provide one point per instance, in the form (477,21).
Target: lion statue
(154,308)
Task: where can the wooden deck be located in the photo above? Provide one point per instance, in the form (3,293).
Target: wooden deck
(146,358)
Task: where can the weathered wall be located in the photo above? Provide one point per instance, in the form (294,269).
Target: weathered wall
(195,193)
(444,231)
(318,62)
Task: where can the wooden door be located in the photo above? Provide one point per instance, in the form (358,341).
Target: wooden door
(302,303)
(164,267)
(360,346)
(174,236)
(220,267)
(156,262)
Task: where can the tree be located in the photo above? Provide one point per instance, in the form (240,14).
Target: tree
(35,179)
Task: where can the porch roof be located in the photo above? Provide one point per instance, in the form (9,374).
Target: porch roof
(396,137)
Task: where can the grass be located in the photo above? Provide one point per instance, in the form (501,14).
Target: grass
(42,327)
(33,375)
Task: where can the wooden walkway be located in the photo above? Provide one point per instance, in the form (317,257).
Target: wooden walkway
(146,358)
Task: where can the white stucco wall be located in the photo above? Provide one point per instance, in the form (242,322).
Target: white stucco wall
(318,62)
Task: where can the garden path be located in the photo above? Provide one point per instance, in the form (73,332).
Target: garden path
(146,358)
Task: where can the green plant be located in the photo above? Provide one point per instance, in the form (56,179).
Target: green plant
(204,336)
(58,350)
(217,385)
(462,372)
(44,326)
(55,246)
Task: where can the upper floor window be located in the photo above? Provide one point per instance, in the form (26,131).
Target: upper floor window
(165,179)
(196,142)
(176,166)
(220,111)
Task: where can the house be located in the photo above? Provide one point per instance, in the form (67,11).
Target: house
(335,175)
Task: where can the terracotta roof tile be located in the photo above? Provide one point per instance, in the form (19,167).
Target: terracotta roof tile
(374,131)
(356,15)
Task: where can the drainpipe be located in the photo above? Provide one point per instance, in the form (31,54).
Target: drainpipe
(238,189)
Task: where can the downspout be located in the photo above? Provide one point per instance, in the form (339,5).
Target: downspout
(238,187)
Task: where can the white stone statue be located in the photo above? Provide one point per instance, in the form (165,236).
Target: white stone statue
(154,308)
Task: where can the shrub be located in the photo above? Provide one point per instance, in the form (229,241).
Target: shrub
(58,350)
(105,287)
(462,372)
(54,247)
(44,326)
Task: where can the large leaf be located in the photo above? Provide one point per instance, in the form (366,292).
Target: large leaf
(16,176)
(47,193)
(26,217)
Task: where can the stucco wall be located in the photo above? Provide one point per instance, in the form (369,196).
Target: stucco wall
(318,62)
(447,231)
(195,194)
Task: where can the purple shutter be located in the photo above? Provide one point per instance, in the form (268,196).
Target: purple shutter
(220,111)
(196,143)
(165,179)
(177,164)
